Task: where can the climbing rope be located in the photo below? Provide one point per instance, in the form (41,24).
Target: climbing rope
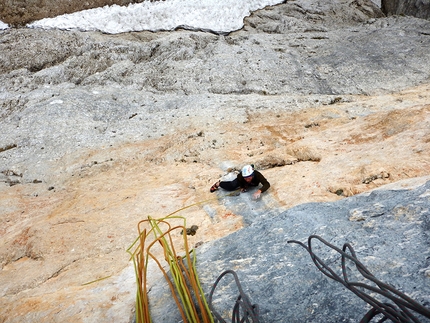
(399,311)
(243,310)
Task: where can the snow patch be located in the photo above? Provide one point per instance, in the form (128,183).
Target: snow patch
(3,25)
(212,15)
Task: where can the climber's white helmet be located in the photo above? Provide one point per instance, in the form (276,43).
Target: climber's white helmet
(247,171)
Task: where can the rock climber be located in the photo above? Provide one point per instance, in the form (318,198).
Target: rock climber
(246,178)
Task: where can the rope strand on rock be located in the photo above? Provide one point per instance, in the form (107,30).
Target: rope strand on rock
(402,306)
(243,310)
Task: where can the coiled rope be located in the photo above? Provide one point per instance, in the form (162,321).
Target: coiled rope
(401,308)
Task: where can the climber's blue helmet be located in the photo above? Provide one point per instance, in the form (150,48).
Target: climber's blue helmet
(247,170)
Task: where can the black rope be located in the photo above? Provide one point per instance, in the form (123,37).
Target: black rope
(399,311)
(243,310)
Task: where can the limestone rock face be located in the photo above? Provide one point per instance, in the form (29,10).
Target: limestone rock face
(328,99)
(415,8)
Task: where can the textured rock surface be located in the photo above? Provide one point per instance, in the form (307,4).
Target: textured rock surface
(328,99)
(419,9)
(81,74)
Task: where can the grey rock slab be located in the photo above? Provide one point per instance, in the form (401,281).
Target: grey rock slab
(243,204)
